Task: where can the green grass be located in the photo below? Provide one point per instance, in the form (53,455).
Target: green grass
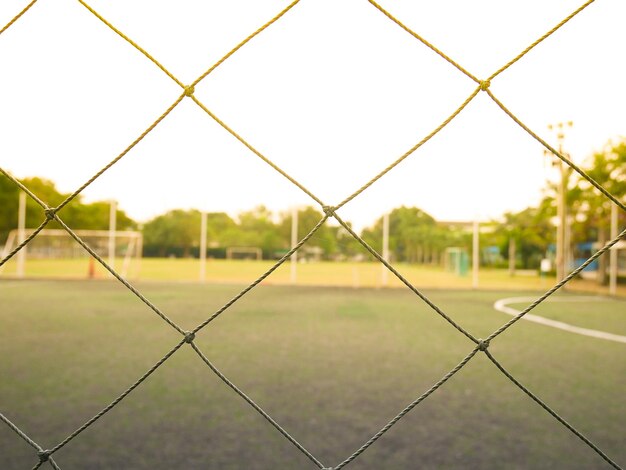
(332,365)
(346,274)
(603,314)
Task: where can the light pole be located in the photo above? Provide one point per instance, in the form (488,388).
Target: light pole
(112,229)
(384,272)
(613,252)
(203,228)
(564,173)
(475,252)
(21,233)
(294,242)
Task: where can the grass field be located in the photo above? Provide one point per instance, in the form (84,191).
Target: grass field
(332,365)
(345,274)
(605,315)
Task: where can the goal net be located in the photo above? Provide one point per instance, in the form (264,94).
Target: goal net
(244,252)
(121,249)
(457,260)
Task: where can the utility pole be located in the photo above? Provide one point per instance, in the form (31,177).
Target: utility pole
(21,233)
(203,228)
(564,173)
(475,253)
(613,252)
(294,242)
(112,229)
(384,272)
(512,255)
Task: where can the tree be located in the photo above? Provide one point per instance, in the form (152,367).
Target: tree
(9,201)
(173,233)
(8,206)
(258,229)
(530,230)
(95,216)
(346,245)
(593,209)
(413,234)
(220,229)
(77,215)
(308,217)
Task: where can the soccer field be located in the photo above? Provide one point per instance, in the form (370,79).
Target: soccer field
(330,365)
(326,273)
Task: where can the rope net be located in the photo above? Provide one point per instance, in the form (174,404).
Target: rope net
(43,455)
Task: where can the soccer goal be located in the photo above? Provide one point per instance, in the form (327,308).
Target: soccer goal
(58,245)
(244,252)
(457,260)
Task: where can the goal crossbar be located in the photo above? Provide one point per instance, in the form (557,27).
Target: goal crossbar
(244,250)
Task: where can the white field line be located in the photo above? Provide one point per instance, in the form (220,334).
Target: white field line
(502,306)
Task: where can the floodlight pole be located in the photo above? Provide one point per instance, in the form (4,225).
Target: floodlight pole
(112,228)
(560,242)
(564,171)
(21,233)
(385,271)
(294,242)
(203,224)
(475,254)
(512,255)
(613,252)
(139,250)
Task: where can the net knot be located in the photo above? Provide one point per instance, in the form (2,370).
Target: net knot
(43,455)
(189,337)
(484,84)
(189,90)
(483,344)
(329,210)
(50,213)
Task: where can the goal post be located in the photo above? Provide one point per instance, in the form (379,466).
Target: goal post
(456,260)
(57,244)
(244,252)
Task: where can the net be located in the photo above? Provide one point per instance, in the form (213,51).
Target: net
(330,211)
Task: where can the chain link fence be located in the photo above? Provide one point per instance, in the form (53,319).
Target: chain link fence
(46,455)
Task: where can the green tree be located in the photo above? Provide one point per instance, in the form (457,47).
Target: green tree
(8,206)
(221,229)
(308,217)
(608,168)
(257,229)
(95,216)
(592,209)
(531,230)
(77,215)
(173,233)
(9,201)
(413,235)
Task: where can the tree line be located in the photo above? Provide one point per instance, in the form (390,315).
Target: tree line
(177,232)
(532,229)
(77,214)
(414,235)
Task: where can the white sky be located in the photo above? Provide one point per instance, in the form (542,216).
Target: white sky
(333,92)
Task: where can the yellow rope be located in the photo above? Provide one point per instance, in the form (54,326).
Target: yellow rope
(411,150)
(20,185)
(527,50)
(188,91)
(556,153)
(17,17)
(132,43)
(244,42)
(255,151)
(124,152)
(422,40)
